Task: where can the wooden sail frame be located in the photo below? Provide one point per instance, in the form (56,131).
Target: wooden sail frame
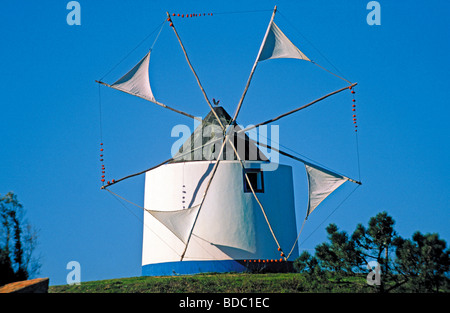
(226,134)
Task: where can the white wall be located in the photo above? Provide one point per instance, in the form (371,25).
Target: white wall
(230,224)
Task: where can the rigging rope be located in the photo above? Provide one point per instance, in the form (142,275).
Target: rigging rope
(116,197)
(218,13)
(100,111)
(315,48)
(160,26)
(357,154)
(356,132)
(330,72)
(157,36)
(244,12)
(115,194)
(101,136)
(321,223)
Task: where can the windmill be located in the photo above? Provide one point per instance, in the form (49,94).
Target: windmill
(217,205)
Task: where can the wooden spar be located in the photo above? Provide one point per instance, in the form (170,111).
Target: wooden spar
(203,199)
(162,163)
(296,240)
(150,100)
(297,109)
(305,162)
(136,174)
(223,128)
(193,71)
(254,67)
(254,194)
(247,129)
(204,195)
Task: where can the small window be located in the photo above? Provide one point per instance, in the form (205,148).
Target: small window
(255,176)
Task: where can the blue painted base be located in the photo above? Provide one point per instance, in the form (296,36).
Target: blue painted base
(218,266)
(192,267)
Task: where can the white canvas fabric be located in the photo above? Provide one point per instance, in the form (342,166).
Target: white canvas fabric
(179,222)
(277,45)
(136,81)
(321,183)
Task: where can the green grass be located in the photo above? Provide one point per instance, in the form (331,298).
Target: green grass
(218,283)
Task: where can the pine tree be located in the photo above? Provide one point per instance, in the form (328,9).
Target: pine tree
(17,242)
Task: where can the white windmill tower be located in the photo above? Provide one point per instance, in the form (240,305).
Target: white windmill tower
(230,227)
(220,204)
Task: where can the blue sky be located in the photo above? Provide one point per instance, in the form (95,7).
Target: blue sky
(50,121)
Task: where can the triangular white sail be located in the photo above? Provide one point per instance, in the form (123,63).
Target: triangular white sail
(136,81)
(321,183)
(276,45)
(179,222)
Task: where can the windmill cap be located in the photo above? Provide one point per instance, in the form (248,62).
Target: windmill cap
(205,143)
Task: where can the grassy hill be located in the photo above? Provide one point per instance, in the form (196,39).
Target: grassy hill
(218,283)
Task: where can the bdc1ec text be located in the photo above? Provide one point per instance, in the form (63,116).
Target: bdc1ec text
(246,302)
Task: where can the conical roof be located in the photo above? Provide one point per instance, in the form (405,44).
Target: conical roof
(205,143)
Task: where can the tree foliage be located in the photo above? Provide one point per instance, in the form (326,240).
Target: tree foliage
(421,264)
(424,261)
(17,242)
(340,255)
